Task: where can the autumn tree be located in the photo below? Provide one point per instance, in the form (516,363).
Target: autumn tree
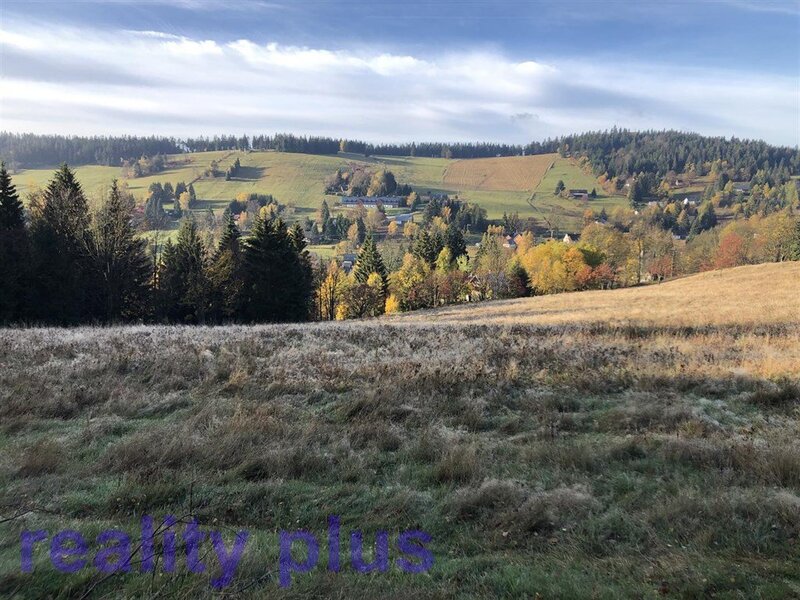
(329,292)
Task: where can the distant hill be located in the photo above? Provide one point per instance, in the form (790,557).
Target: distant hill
(499,185)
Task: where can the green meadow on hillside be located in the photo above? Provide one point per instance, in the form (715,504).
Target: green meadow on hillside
(299,179)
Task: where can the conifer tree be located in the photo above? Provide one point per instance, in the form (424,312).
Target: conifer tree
(13,251)
(62,288)
(370,261)
(182,281)
(11,213)
(426,248)
(277,283)
(121,265)
(455,242)
(225,273)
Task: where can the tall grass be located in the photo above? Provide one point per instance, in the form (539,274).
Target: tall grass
(628,459)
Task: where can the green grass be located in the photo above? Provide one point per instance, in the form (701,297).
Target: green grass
(298,179)
(571,211)
(559,461)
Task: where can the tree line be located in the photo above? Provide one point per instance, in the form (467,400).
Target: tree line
(615,153)
(29,150)
(63,264)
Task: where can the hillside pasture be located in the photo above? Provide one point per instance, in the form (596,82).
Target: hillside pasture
(510,173)
(499,185)
(605,454)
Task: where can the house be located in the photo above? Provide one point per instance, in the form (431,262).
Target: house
(401,219)
(372,201)
(692,198)
(510,243)
(567,239)
(741,187)
(579,194)
(348,262)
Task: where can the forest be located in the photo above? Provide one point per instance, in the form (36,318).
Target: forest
(619,153)
(64,263)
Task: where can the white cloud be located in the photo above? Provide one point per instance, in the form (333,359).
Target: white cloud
(70,81)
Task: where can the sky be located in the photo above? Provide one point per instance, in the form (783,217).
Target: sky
(386,71)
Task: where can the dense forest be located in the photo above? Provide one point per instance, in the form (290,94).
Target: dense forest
(616,153)
(28,150)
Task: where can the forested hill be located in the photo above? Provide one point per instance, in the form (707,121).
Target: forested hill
(622,153)
(617,152)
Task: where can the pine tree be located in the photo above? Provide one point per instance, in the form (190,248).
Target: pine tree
(13,252)
(370,261)
(120,263)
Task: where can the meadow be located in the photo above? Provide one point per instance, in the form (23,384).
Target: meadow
(629,443)
(500,185)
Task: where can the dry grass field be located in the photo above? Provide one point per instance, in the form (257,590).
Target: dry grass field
(640,444)
(752,295)
(512,173)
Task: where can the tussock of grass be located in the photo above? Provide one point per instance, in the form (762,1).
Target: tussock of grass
(567,459)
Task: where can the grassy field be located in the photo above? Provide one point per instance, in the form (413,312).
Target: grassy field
(512,173)
(743,296)
(573,446)
(497,184)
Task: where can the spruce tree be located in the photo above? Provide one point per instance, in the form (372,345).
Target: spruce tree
(121,265)
(277,282)
(455,242)
(182,282)
(370,261)
(225,273)
(13,252)
(11,213)
(425,247)
(62,287)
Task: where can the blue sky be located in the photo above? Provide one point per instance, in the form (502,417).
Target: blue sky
(452,70)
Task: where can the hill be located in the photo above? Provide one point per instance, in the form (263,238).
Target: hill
(497,184)
(637,443)
(750,295)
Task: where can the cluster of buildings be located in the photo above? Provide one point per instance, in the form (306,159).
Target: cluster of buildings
(372,201)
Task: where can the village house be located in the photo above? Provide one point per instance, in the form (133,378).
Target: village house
(348,262)
(372,201)
(402,219)
(741,187)
(579,194)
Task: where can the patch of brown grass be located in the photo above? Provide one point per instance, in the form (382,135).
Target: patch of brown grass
(507,173)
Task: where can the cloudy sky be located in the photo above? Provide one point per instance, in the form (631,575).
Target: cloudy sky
(445,70)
